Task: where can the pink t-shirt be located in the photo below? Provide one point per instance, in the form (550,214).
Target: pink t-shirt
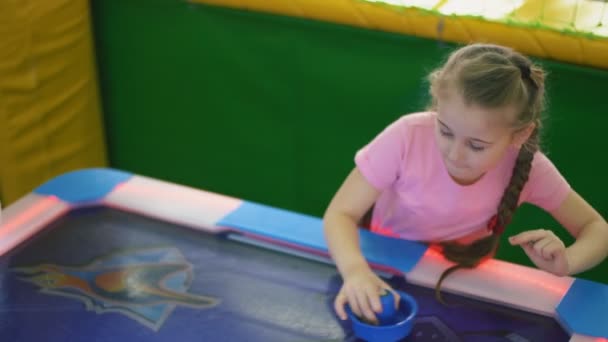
(420,201)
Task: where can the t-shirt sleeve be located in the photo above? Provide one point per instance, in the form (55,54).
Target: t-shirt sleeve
(380,160)
(546,187)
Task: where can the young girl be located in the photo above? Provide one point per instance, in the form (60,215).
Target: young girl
(454,176)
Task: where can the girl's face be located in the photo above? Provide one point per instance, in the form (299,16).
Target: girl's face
(473,139)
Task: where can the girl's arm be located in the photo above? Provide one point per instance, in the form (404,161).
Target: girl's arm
(361,285)
(584,223)
(589,229)
(349,204)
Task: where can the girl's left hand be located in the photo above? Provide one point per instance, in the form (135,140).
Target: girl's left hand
(545,250)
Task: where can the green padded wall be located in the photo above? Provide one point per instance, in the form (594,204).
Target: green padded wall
(272,109)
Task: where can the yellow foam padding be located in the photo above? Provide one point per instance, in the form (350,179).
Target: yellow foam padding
(574,31)
(50,117)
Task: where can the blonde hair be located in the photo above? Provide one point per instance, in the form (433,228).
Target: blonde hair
(493,76)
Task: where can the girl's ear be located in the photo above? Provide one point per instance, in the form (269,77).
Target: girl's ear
(521,135)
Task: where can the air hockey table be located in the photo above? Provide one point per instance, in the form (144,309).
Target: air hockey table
(106,255)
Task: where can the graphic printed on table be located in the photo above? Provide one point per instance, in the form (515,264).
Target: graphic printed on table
(144,284)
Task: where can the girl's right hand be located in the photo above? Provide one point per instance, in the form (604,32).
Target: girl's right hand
(361,290)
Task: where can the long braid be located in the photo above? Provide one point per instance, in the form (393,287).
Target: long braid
(521,172)
(469,256)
